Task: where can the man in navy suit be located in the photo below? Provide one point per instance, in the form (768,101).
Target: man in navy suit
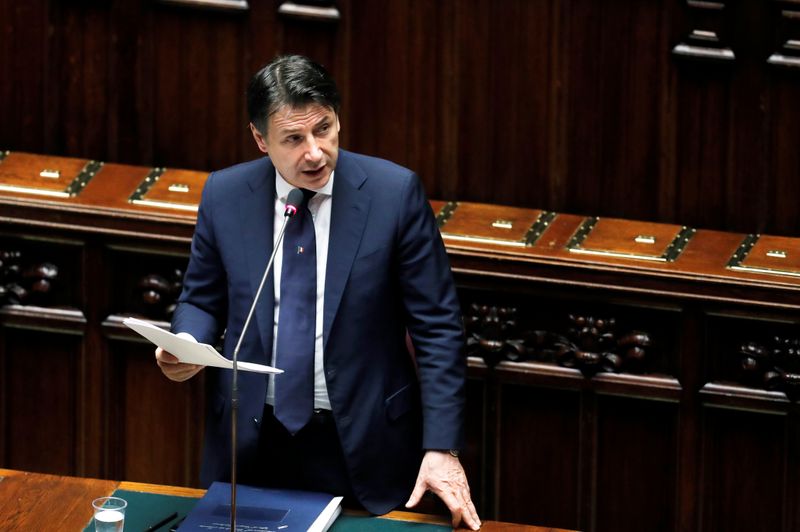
(387,424)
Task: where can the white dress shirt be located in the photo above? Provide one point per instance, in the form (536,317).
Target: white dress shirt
(320,207)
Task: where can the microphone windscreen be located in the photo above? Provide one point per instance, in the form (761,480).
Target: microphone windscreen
(293,202)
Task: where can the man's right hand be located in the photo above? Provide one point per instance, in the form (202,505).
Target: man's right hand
(174,369)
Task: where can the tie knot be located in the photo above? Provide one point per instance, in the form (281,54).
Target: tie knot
(307,195)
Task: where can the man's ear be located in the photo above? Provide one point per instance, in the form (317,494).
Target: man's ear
(261,142)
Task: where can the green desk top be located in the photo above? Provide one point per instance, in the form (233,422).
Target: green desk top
(145,509)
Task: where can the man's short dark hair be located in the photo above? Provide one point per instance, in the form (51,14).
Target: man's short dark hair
(292,80)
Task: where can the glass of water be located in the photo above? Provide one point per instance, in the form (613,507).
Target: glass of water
(109,514)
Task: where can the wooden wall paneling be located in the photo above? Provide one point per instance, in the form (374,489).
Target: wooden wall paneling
(792,490)
(747,168)
(95,285)
(784,159)
(749,421)
(425,94)
(636,465)
(40,403)
(445,183)
(539,462)
(521,47)
(71,31)
(614,86)
(667,177)
(315,39)
(6,53)
(378,78)
(155,425)
(132,84)
(98,50)
(690,352)
(195,73)
(476,110)
(168,45)
(744,471)
(476,457)
(227,87)
(27,64)
(263,35)
(702,147)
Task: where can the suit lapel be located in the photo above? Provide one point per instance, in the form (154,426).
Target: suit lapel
(348,218)
(257,219)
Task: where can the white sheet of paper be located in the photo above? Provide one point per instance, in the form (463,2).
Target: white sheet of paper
(191,352)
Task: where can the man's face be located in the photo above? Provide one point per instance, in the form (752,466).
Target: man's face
(303,144)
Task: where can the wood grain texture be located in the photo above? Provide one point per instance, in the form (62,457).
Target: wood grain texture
(35,501)
(569,106)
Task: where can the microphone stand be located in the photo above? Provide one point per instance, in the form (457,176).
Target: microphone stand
(290,211)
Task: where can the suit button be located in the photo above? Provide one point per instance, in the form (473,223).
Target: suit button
(344,421)
(255,421)
(331,373)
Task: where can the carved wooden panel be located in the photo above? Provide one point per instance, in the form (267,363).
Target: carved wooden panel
(148,288)
(744,470)
(34,272)
(540,433)
(40,390)
(155,425)
(570,332)
(635,439)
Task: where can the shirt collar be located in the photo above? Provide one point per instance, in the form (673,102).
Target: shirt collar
(283,187)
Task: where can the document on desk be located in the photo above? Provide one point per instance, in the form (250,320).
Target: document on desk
(191,352)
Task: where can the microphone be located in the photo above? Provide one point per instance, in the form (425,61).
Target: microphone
(293,201)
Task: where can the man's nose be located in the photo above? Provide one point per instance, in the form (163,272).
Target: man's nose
(314,152)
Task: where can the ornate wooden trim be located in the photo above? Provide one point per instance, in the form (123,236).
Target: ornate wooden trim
(774,366)
(703,41)
(591,345)
(22,284)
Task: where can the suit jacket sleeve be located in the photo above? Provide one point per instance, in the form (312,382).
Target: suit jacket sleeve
(433,320)
(202,306)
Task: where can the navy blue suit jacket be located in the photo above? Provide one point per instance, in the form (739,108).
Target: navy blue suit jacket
(387,272)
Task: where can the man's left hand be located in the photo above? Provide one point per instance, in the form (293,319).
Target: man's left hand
(442,473)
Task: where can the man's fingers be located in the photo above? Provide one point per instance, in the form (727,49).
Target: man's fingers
(456,512)
(458,501)
(165,357)
(416,495)
(470,516)
(173,368)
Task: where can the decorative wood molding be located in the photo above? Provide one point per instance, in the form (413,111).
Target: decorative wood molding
(773,367)
(591,345)
(158,294)
(217,5)
(788,55)
(22,284)
(704,41)
(319,11)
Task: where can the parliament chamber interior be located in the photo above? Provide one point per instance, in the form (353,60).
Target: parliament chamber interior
(615,182)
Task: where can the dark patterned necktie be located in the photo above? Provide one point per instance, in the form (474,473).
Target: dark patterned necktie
(294,389)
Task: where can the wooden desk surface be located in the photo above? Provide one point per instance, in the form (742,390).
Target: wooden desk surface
(35,502)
